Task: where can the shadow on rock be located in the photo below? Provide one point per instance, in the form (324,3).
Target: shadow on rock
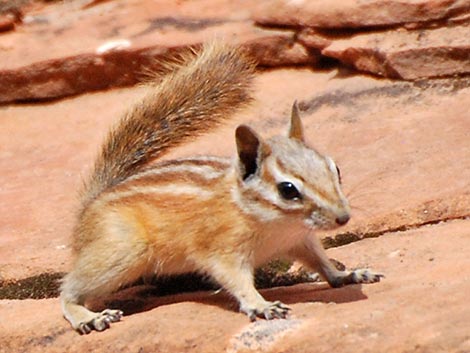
(143,298)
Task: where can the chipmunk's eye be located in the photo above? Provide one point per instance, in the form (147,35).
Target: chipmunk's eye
(339,174)
(288,191)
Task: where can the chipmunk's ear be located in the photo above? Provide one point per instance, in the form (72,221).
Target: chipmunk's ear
(296,130)
(251,150)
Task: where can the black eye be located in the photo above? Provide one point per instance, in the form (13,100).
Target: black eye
(339,174)
(288,191)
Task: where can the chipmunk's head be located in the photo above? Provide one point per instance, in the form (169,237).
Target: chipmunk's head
(283,177)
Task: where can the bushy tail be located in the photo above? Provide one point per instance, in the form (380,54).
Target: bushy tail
(207,89)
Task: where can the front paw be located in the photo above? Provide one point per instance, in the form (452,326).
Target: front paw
(364,275)
(268,310)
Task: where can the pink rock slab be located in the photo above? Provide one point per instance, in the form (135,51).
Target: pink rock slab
(121,42)
(403,153)
(356,13)
(421,306)
(407,54)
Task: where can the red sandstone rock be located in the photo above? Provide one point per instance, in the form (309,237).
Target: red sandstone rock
(396,144)
(280,50)
(420,306)
(356,13)
(402,148)
(52,63)
(406,54)
(87,72)
(7,23)
(312,39)
(124,67)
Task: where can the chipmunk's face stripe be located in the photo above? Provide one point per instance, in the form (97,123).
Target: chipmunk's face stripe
(262,197)
(312,178)
(319,195)
(267,176)
(253,203)
(259,196)
(335,175)
(282,168)
(283,174)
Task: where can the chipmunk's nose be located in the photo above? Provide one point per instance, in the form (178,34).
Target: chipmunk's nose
(343,219)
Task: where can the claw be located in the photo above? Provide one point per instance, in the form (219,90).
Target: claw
(276,310)
(267,314)
(268,310)
(367,276)
(112,315)
(84,329)
(100,322)
(281,305)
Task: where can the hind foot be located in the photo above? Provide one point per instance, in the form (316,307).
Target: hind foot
(100,322)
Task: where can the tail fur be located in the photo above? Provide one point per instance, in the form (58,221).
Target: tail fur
(209,88)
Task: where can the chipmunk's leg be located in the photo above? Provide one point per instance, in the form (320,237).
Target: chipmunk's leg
(101,268)
(312,254)
(236,276)
(84,320)
(77,288)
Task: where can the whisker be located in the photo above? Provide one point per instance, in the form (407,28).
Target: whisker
(363,210)
(364,194)
(364,182)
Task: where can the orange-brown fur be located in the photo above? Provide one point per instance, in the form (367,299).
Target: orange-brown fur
(160,121)
(215,216)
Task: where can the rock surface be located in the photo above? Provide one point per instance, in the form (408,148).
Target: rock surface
(398,39)
(407,54)
(7,23)
(356,13)
(419,307)
(402,148)
(393,137)
(125,41)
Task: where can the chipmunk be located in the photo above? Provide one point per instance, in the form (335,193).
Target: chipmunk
(215,216)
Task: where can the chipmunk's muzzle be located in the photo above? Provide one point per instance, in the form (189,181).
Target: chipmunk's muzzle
(328,220)
(343,219)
